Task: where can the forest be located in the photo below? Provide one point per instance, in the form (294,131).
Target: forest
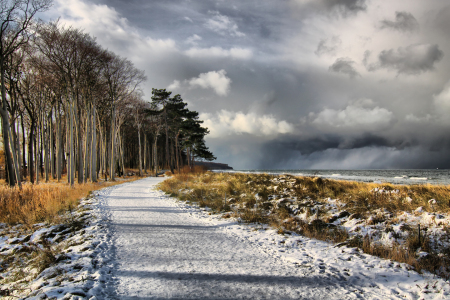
(70,107)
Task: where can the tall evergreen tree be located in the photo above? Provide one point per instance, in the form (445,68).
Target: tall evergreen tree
(161,98)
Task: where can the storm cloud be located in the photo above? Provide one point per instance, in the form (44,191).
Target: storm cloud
(404,21)
(413,59)
(344,8)
(345,66)
(346,5)
(296,83)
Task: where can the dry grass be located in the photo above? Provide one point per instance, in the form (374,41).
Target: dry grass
(358,197)
(435,262)
(263,198)
(186,171)
(47,204)
(44,202)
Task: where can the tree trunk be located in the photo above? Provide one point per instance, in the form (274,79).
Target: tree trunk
(176,151)
(41,148)
(23,149)
(79,146)
(71,147)
(113,144)
(52,146)
(121,145)
(36,151)
(140,152)
(172,156)
(93,147)
(5,127)
(192,159)
(87,145)
(189,157)
(24,163)
(45,147)
(58,145)
(102,149)
(15,134)
(145,153)
(155,156)
(31,152)
(167,139)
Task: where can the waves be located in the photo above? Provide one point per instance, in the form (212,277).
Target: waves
(425,176)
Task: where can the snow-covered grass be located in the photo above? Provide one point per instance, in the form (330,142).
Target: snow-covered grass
(364,276)
(48,259)
(407,224)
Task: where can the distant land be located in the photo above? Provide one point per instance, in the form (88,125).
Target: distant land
(213,165)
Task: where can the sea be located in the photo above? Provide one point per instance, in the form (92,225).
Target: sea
(422,177)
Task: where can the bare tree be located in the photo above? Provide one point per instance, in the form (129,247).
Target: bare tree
(122,79)
(139,114)
(15,17)
(78,60)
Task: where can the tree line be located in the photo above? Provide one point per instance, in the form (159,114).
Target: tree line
(71,107)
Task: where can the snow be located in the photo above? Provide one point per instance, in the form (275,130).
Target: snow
(142,244)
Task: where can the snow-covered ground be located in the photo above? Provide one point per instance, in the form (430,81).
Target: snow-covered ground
(165,249)
(55,261)
(145,245)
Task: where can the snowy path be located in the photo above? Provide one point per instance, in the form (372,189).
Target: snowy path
(158,250)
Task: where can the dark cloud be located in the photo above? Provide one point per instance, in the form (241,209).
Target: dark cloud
(328,46)
(265,31)
(346,6)
(366,152)
(412,60)
(308,146)
(415,148)
(345,66)
(404,21)
(331,8)
(366,57)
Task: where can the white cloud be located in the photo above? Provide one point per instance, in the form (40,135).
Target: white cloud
(174,85)
(217,80)
(411,118)
(227,123)
(354,116)
(217,52)
(193,39)
(442,100)
(111,30)
(223,25)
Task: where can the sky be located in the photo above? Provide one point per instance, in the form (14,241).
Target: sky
(293,84)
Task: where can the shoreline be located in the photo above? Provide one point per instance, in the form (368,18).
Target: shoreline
(443,180)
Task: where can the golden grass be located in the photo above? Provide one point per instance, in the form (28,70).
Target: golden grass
(44,202)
